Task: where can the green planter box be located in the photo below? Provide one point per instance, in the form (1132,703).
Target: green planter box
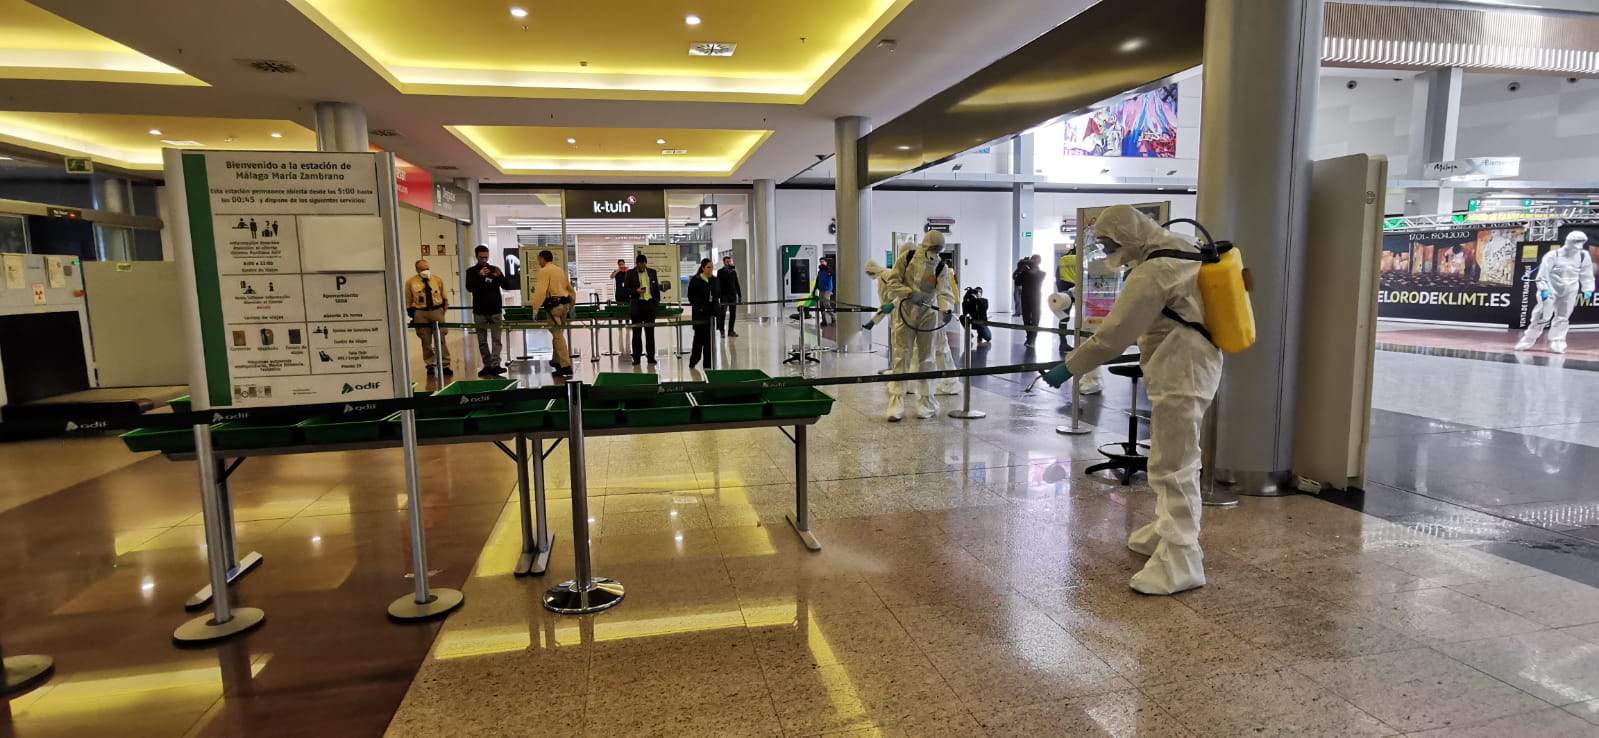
(355,428)
(625,379)
(433,423)
(514,417)
(165,440)
(517,312)
(474,386)
(246,435)
(714,410)
(602,415)
(668,409)
(798,402)
(734,376)
(181,405)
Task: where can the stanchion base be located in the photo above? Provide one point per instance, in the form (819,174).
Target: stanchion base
(1066,430)
(23,672)
(440,601)
(805,534)
(203,597)
(535,563)
(1218,498)
(203,629)
(566,599)
(967,414)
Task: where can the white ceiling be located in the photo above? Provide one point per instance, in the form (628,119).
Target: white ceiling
(939,43)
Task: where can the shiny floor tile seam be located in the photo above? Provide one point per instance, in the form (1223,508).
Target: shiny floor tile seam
(1497,357)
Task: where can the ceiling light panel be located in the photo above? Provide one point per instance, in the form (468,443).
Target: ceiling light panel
(128,141)
(37,44)
(537,150)
(625,50)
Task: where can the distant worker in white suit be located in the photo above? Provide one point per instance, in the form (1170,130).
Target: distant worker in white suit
(1562,274)
(924,303)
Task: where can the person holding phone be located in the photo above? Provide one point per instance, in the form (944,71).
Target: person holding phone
(644,301)
(486,282)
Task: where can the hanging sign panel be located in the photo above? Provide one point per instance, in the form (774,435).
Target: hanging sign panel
(612,204)
(290,265)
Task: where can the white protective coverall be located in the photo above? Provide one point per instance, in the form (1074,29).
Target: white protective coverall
(924,300)
(1181,370)
(880,275)
(1061,304)
(1562,274)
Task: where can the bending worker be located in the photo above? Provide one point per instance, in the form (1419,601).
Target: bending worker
(1562,273)
(1181,370)
(924,302)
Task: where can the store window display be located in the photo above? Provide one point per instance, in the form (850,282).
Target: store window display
(1563,274)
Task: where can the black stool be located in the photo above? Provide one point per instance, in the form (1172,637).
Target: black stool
(1131,456)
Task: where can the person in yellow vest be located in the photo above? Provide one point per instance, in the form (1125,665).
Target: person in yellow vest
(425,303)
(1066,272)
(552,290)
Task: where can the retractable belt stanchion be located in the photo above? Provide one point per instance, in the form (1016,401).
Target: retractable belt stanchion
(438,351)
(237,566)
(586,593)
(1209,494)
(425,603)
(23,672)
(224,620)
(1076,428)
(966,412)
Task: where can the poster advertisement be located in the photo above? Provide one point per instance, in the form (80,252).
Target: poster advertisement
(1143,126)
(1097,294)
(289,252)
(800,264)
(663,259)
(528,274)
(1462,274)
(1525,294)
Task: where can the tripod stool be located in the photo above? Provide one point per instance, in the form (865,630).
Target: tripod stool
(1131,456)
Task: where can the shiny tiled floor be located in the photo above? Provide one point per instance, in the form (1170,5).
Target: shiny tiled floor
(972,582)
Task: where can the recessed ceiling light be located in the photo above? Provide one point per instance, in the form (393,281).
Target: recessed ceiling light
(155,131)
(517,12)
(1132,44)
(673,152)
(182,144)
(692,19)
(660,141)
(903,148)
(275,134)
(571,140)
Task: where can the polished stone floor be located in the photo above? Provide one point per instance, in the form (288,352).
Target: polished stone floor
(972,582)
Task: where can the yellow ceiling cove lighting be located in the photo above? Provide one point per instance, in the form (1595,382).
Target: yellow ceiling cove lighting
(40,45)
(535,150)
(127,141)
(635,51)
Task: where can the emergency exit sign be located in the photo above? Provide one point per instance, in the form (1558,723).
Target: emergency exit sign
(80,165)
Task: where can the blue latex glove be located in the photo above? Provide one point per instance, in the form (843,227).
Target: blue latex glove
(1057,376)
(1543,294)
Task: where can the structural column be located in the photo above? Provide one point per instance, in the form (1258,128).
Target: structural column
(341,127)
(853,209)
(1434,128)
(476,232)
(1261,67)
(761,284)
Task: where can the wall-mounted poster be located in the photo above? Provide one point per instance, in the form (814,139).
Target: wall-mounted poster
(1460,274)
(1142,126)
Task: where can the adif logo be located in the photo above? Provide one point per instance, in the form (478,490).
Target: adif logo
(94,425)
(615,206)
(348,388)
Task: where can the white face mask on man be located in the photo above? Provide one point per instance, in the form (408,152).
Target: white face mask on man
(426,273)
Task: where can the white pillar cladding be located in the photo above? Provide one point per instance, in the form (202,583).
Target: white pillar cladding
(853,208)
(1262,61)
(1022,199)
(340,127)
(760,274)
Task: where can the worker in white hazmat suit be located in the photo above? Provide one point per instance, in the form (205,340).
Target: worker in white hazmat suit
(880,275)
(1061,304)
(924,303)
(1562,274)
(1181,370)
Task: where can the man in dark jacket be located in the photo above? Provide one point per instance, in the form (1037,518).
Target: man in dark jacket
(1029,278)
(485,282)
(644,300)
(732,294)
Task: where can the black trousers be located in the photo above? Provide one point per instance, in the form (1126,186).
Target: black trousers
(725,315)
(702,344)
(642,315)
(1030,315)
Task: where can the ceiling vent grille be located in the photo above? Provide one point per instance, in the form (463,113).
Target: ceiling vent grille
(673,152)
(383,132)
(270,66)
(711,49)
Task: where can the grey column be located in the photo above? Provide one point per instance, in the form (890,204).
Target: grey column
(479,235)
(1261,66)
(761,284)
(340,127)
(853,208)
(1434,128)
(1022,198)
